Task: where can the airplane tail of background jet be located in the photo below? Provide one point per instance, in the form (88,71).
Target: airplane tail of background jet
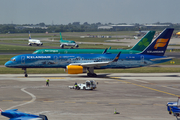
(60,36)
(178,102)
(144,42)
(29,35)
(159,45)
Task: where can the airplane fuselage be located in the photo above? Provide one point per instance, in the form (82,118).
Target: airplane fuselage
(84,51)
(63,60)
(34,41)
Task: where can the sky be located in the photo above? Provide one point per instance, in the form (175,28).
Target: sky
(91,11)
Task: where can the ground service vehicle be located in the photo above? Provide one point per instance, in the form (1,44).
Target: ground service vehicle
(88,85)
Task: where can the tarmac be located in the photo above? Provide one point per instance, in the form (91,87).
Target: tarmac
(136,96)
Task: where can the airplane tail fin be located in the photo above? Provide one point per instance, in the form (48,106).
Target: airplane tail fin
(144,42)
(159,45)
(29,35)
(60,36)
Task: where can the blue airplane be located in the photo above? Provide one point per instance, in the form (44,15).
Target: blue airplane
(17,115)
(81,63)
(174,108)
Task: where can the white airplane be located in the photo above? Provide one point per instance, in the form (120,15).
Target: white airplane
(34,41)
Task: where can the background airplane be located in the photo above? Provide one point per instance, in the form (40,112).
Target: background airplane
(139,47)
(81,63)
(174,108)
(67,43)
(34,41)
(17,115)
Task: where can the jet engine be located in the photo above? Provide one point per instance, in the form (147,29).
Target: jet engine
(75,69)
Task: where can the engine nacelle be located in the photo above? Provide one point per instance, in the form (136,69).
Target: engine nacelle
(75,69)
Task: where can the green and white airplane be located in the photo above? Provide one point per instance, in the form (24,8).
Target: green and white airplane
(138,48)
(67,42)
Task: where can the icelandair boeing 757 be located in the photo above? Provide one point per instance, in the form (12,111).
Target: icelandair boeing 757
(139,47)
(81,63)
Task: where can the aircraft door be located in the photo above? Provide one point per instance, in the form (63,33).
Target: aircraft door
(56,59)
(22,59)
(142,59)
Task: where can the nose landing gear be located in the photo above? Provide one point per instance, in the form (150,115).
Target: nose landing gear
(25,72)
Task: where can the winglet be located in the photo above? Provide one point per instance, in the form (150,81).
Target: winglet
(109,48)
(117,57)
(104,51)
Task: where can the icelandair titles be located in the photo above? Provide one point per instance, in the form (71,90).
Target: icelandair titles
(155,51)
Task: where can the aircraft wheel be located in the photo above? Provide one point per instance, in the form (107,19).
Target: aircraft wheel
(89,74)
(94,75)
(84,88)
(78,88)
(77,46)
(62,46)
(26,75)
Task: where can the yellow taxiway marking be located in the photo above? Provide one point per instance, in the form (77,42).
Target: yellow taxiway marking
(158,104)
(115,77)
(114,103)
(54,77)
(91,102)
(48,101)
(69,102)
(7,100)
(135,104)
(148,88)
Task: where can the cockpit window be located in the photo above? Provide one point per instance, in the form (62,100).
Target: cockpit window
(13,59)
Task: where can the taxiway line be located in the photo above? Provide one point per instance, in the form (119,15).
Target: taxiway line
(33,99)
(148,88)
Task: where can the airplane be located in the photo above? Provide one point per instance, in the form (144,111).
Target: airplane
(174,108)
(81,63)
(139,47)
(14,114)
(67,42)
(34,41)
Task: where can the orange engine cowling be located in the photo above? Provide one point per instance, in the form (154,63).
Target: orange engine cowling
(75,69)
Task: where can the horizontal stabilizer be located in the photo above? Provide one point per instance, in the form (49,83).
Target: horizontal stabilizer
(166,58)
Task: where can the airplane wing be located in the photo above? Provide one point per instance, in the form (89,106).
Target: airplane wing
(157,59)
(97,64)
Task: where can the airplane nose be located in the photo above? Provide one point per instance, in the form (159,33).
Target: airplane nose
(7,64)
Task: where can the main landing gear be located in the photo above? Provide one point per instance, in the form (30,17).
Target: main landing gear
(91,72)
(25,72)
